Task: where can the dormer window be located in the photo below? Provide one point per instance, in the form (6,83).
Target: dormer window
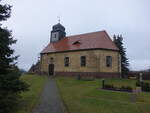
(76,42)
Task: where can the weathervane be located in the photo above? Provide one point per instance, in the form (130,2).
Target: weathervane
(58,19)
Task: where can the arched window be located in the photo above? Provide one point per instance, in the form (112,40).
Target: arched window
(108,61)
(83,61)
(66,61)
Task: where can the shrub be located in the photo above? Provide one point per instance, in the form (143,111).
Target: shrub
(126,88)
(145,86)
(108,86)
(138,83)
(122,88)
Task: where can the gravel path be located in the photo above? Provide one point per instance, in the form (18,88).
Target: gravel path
(50,101)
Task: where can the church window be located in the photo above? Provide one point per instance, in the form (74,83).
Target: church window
(66,61)
(83,61)
(108,61)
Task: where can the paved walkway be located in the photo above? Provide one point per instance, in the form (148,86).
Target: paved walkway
(50,100)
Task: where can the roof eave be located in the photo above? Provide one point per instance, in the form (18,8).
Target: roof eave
(80,50)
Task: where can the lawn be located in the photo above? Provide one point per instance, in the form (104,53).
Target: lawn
(31,98)
(83,97)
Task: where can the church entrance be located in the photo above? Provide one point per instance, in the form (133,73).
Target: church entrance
(51,69)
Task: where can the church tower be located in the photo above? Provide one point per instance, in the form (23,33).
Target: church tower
(57,33)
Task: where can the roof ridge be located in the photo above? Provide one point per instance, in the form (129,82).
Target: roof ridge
(85,33)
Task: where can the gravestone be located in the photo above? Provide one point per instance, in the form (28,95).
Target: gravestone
(138,90)
(103,83)
(141,79)
(134,96)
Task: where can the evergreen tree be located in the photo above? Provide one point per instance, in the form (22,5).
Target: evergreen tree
(118,40)
(10,84)
(149,69)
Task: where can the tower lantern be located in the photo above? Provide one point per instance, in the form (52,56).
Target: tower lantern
(57,33)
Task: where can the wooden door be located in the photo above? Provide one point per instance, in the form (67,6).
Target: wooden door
(51,69)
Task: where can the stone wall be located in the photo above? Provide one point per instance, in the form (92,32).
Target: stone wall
(95,61)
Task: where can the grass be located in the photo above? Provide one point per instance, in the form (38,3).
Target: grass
(31,98)
(83,97)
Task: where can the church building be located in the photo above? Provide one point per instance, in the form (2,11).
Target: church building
(89,54)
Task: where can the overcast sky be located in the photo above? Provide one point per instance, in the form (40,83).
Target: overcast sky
(31,23)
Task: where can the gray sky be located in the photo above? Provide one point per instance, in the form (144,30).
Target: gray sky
(32,20)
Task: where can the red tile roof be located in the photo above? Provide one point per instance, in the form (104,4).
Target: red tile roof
(95,40)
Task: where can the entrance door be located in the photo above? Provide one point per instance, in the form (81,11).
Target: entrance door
(51,69)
